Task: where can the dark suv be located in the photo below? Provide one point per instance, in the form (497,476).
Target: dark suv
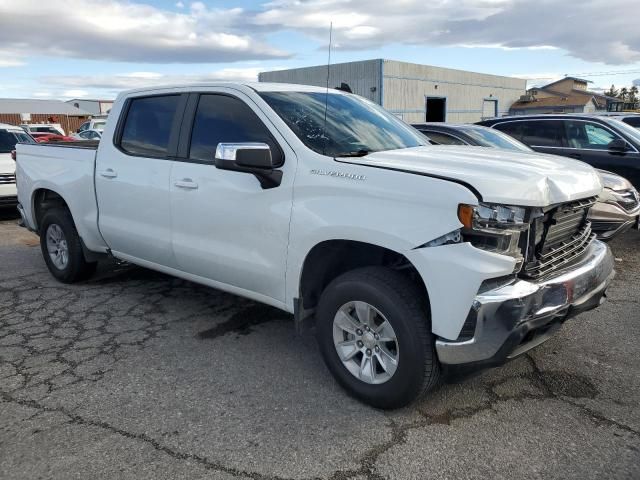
(602,141)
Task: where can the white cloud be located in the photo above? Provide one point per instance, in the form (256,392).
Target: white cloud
(121,30)
(75,93)
(83,85)
(10,59)
(586,31)
(194,32)
(42,94)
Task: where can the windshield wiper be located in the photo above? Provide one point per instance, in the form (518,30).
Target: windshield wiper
(356,153)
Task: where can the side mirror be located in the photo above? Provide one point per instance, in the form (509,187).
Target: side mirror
(249,157)
(618,145)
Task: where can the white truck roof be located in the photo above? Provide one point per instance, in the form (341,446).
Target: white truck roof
(257,86)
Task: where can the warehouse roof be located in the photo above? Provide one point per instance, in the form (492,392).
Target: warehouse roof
(30,105)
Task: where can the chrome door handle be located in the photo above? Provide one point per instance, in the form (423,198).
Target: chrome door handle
(186,183)
(108,173)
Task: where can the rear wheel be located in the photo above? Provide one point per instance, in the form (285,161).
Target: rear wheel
(62,248)
(375,336)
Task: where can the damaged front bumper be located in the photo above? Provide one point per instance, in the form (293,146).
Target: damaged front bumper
(513,318)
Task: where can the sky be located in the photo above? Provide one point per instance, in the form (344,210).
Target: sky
(97,48)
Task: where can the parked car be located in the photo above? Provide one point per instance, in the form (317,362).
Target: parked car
(630,118)
(9,136)
(440,133)
(601,141)
(96,123)
(54,128)
(617,208)
(51,137)
(88,135)
(410,257)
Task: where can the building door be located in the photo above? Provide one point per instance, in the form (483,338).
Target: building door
(489,108)
(436,109)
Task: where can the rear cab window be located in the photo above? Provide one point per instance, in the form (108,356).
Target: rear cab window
(147,128)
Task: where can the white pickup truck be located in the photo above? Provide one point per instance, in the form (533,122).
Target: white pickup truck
(411,258)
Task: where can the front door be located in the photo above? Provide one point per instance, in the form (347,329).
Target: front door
(226,227)
(132,179)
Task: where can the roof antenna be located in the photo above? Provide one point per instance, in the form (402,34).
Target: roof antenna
(326,95)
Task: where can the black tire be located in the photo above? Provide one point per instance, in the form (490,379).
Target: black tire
(77,267)
(404,306)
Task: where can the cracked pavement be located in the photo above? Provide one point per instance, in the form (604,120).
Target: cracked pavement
(135,374)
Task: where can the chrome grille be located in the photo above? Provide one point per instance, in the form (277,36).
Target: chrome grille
(6,178)
(566,236)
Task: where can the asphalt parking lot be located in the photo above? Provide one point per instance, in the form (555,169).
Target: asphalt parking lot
(135,374)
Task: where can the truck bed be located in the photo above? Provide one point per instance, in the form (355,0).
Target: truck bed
(66,169)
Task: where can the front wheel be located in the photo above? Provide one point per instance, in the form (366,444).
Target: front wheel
(62,248)
(374,332)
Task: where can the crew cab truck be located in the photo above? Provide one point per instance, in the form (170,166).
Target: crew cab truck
(411,258)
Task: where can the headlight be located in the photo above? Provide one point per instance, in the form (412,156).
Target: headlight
(495,228)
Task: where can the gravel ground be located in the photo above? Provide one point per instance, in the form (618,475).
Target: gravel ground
(135,374)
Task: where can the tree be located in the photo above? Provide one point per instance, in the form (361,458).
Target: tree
(612,92)
(624,93)
(633,94)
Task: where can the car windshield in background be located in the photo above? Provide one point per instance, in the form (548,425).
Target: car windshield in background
(495,139)
(354,126)
(627,129)
(99,125)
(9,139)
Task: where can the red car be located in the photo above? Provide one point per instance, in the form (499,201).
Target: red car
(51,137)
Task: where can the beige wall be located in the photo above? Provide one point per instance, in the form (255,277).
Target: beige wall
(363,77)
(406,86)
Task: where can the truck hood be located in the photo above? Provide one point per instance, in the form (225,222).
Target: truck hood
(499,176)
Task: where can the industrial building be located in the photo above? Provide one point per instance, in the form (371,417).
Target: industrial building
(17,111)
(413,92)
(94,107)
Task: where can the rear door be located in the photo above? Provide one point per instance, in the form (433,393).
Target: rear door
(226,226)
(132,178)
(589,141)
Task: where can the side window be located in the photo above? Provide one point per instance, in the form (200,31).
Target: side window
(440,138)
(83,127)
(224,119)
(7,141)
(542,133)
(588,135)
(147,128)
(633,121)
(511,128)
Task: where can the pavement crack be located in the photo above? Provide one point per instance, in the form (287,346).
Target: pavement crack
(593,415)
(142,437)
